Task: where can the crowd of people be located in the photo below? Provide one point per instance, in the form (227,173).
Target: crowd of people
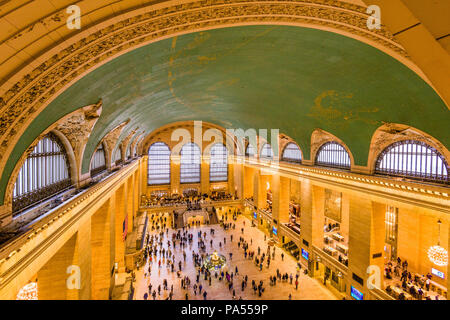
(189,199)
(163,246)
(417,286)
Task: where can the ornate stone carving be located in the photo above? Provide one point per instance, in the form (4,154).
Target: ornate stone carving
(26,98)
(136,139)
(78,126)
(126,141)
(389,133)
(110,140)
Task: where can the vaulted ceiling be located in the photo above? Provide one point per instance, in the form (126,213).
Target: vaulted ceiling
(290,78)
(269,71)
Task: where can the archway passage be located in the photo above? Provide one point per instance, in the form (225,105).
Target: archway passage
(319,79)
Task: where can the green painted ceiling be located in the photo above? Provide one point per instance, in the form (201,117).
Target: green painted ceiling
(291,78)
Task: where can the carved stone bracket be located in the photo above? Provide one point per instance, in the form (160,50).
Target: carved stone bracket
(23,101)
(125,142)
(110,141)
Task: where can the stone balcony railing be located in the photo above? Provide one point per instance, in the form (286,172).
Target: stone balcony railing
(22,252)
(430,196)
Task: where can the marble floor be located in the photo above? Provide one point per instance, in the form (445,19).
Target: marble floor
(309,289)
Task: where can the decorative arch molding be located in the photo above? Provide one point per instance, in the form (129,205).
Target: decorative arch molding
(390,133)
(318,138)
(27,93)
(73,130)
(164,133)
(109,143)
(284,142)
(126,141)
(135,141)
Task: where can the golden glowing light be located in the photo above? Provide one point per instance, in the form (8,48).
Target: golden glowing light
(28,292)
(438,255)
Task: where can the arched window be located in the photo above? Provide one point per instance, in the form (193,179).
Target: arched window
(332,154)
(190,163)
(117,156)
(413,159)
(128,155)
(218,167)
(44,173)
(292,153)
(98,162)
(158,164)
(266,151)
(250,151)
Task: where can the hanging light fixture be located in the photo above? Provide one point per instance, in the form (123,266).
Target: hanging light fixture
(28,292)
(437,254)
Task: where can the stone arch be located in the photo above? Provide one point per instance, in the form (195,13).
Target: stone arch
(390,133)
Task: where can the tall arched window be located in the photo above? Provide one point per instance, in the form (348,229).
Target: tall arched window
(218,167)
(190,163)
(332,154)
(44,173)
(292,153)
(250,151)
(118,156)
(158,164)
(266,151)
(98,162)
(413,159)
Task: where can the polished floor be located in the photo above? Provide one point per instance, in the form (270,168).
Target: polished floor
(309,289)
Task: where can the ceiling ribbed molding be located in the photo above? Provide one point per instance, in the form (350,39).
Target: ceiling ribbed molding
(93,46)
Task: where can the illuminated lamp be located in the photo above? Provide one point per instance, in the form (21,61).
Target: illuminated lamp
(437,254)
(28,292)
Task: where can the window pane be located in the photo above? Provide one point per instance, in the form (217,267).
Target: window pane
(44,173)
(158,164)
(266,151)
(218,167)
(190,163)
(332,154)
(292,153)
(413,159)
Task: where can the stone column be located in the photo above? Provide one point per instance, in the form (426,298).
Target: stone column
(311,219)
(136,195)
(175,174)
(143,174)
(248,181)
(67,275)
(238,180)
(129,202)
(260,190)
(102,250)
(280,201)
(119,216)
(366,244)
(231,178)
(204,175)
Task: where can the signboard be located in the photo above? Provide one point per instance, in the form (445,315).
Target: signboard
(255,215)
(356,294)
(305,254)
(438,273)
(274,230)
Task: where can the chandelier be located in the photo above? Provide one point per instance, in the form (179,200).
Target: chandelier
(29,292)
(437,254)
